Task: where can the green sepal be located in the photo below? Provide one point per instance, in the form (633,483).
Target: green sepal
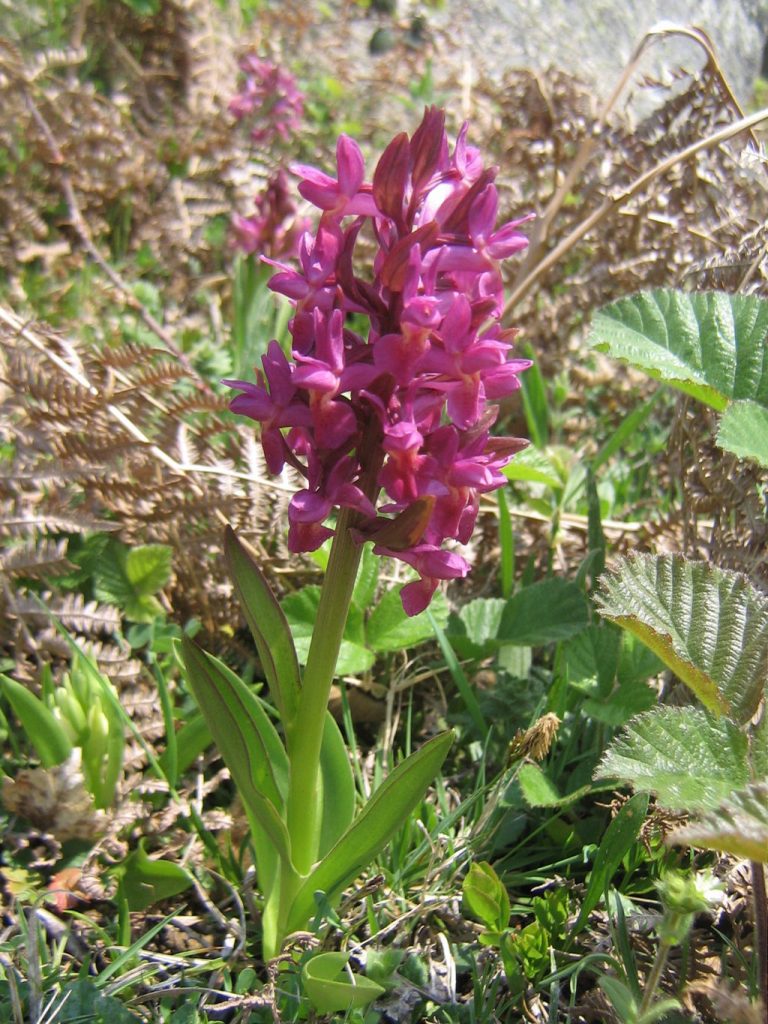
(380,818)
(45,731)
(270,629)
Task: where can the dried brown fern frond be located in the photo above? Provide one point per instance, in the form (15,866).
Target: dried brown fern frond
(127,461)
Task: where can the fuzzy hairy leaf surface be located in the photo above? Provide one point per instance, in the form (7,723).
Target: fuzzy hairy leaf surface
(708,625)
(744,431)
(739,825)
(711,345)
(689,759)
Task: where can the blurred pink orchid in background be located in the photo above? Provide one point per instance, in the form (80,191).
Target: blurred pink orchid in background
(400,418)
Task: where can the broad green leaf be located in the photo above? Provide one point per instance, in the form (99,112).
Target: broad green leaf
(352,660)
(268,626)
(744,431)
(543,613)
(300,609)
(484,896)
(535,466)
(145,881)
(380,818)
(367,579)
(390,629)
(689,759)
(129,577)
(539,790)
(739,825)
(473,631)
(246,740)
(622,704)
(331,989)
(708,344)
(708,625)
(616,842)
(44,730)
(338,786)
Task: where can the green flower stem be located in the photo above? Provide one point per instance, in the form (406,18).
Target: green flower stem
(662,953)
(304,805)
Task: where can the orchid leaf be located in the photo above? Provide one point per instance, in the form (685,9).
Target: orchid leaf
(380,818)
(338,786)
(331,989)
(708,625)
(711,345)
(739,825)
(45,731)
(744,431)
(268,625)
(246,739)
(689,759)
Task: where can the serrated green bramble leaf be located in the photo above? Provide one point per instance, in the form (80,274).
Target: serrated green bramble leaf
(689,759)
(710,345)
(708,625)
(738,826)
(744,431)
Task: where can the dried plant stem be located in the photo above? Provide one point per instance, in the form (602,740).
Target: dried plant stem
(612,203)
(81,229)
(760,900)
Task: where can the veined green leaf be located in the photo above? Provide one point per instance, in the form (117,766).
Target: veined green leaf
(380,818)
(45,731)
(708,625)
(687,758)
(246,739)
(269,628)
(744,431)
(738,826)
(338,786)
(331,989)
(708,344)
(543,613)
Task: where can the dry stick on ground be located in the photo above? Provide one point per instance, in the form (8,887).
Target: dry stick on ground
(81,228)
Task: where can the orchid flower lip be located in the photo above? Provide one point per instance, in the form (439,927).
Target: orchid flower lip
(394,426)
